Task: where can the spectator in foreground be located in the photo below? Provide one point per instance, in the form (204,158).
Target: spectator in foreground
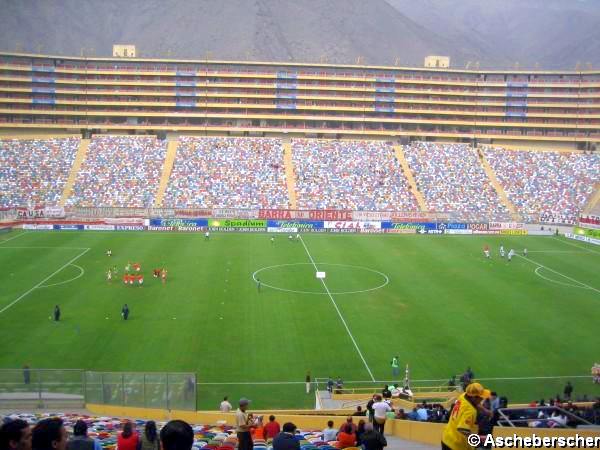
(371,439)
(286,439)
(463,419)
(360,429)
(380,409)
(15,435)
(349,423)
(149,439)
(49,434)
(128,439)
(329,433)
(346,437)
(176,435)
(272,428)
(243,421)
(80,439)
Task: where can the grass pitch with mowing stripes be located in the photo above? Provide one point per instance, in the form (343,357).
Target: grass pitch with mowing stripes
(433,300)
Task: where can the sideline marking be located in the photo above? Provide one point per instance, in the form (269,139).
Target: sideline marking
(557,282)
(575,245)
(338,311)
(385,277)
(215,383)
(14,237)
(44,280)
(81,273)
(558,273)
(32,248)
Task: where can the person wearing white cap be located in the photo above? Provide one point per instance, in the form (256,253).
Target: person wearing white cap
(243,422)
(463,418)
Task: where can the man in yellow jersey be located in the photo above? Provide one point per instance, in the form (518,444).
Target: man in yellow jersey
(463,418)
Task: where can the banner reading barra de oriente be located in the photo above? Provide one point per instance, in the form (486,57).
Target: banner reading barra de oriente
(238,223)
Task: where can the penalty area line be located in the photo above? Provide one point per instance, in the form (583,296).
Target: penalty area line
(44,280)
(339,312)
(558,273)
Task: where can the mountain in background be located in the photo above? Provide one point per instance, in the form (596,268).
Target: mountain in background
(550,34)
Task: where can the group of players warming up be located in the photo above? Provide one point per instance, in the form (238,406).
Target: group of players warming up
(509,256)
(133,273)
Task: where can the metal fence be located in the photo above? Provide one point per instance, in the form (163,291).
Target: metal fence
(54,387)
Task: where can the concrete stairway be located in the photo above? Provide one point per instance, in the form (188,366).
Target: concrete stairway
(166,173)
(499,189)
(409,177)
(593,204)
(290,176)
(79,158)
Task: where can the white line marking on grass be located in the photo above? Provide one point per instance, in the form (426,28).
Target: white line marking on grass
(14,237)
(383,275)
(338,311)
(555,251)
(557,282)
(558,273)
(445,380)
(81,273)
(33,248)
(575,245)
(44,280)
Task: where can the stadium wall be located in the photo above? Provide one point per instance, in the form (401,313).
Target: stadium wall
(424,432)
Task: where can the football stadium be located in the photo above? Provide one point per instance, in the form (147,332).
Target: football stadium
(411,244)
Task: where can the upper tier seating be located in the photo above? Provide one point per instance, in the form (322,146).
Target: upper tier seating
(34,172)
(228,173)
(551,184)
(452,179)
(355,175)
(120,171)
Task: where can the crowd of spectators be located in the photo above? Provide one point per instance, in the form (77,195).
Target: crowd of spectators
(120,171)
(551,184)
(34,172)
(228,173)
(51,431)
(451,178)
(355,175)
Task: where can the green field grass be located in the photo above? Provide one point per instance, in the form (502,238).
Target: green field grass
(443,307)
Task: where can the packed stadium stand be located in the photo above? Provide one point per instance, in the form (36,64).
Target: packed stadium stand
(550,184)
(355,175)
(228,173)
(119,171)
(34,172)
(451,178)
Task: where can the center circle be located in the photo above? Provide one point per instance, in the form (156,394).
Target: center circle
(384,278)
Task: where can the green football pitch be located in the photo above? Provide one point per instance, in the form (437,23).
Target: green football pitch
(525,326)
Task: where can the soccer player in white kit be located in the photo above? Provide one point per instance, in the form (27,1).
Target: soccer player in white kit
(502,251)
(511,253)
(206,236)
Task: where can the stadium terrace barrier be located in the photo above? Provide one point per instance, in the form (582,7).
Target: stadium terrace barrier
(424,432)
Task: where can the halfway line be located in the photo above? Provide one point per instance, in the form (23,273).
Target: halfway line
(44,280)
(338,311)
